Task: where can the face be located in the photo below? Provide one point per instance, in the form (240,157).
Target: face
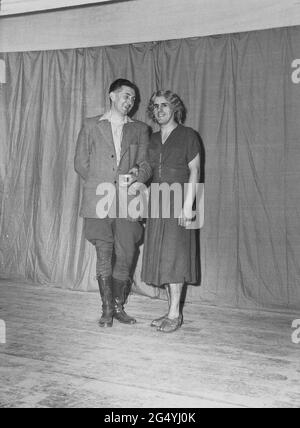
(123,100)
(163,111)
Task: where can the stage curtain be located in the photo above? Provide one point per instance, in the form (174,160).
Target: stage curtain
(240,97)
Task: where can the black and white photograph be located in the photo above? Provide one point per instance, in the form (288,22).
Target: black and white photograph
(149,206)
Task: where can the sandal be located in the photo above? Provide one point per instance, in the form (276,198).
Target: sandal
(168,325)
(158,321)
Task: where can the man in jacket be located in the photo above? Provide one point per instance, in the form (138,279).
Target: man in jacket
(109,147)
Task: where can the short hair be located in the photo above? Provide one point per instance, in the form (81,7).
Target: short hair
(176,102)
(117,84)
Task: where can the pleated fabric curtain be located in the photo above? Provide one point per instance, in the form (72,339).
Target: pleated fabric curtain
(242,100)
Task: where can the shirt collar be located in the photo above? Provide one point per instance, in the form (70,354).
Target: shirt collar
(107,116)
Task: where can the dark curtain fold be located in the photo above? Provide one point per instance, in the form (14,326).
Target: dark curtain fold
(241,99)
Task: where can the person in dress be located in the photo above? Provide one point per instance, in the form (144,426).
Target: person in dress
(170,256)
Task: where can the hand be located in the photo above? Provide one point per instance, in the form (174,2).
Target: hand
(134,171)
(134,188)
(125,180)
(130,180)
(186,216)
(131,177)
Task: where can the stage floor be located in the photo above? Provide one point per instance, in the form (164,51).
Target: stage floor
(56,356)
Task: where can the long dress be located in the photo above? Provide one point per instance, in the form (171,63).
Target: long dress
(170,251)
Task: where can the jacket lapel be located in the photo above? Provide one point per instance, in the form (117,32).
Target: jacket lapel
(105,129)
(125,139)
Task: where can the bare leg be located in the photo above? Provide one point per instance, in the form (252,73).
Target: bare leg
(157,322)
(174,320)
(167,288)
(175,295)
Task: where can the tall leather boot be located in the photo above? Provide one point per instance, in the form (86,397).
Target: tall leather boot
(120,292)
(106,292)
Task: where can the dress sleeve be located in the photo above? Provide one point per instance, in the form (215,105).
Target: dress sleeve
(192,146)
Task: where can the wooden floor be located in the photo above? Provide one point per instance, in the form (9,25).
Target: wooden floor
(57,356)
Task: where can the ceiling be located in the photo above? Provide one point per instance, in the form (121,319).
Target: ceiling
(69,24)
(15,7)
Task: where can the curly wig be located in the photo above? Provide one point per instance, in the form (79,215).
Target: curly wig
(176,104)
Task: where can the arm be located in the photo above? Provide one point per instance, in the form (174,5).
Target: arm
(82,155)
(187,211)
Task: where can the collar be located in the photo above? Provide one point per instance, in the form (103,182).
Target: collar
(107,116)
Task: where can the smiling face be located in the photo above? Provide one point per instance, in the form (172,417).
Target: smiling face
(163,111)
(123,100)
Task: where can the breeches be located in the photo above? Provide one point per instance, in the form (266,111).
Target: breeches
(116,243)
